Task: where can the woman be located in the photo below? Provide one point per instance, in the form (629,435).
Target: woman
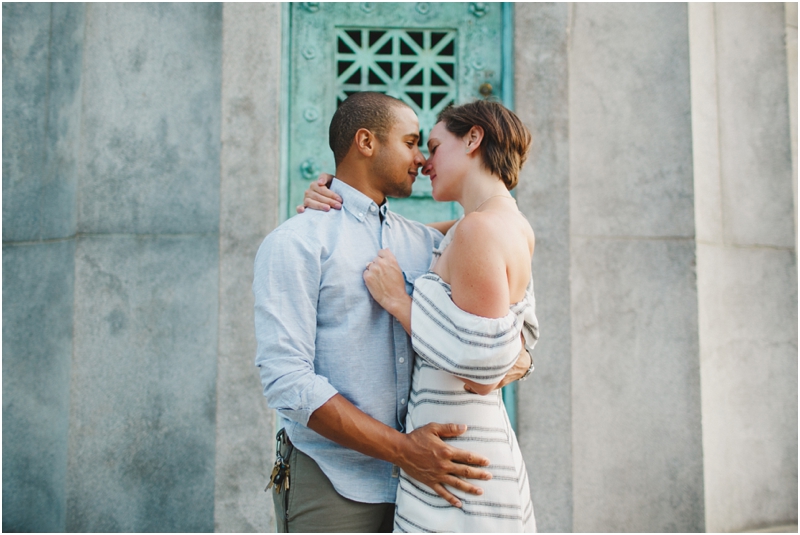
(466,315)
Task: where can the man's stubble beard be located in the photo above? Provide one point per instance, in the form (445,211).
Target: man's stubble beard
(389,184)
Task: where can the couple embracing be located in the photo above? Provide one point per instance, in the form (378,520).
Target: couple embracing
(383,342)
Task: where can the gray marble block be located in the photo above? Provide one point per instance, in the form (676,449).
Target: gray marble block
(143,396)
(37,350)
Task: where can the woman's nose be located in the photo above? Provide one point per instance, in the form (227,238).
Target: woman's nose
(426,169)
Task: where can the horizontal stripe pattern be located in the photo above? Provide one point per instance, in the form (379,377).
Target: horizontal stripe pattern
(452,344)
(463,344)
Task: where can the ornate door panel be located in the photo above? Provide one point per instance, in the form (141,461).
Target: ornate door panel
(428,55)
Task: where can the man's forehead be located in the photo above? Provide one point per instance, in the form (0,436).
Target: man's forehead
(406,120)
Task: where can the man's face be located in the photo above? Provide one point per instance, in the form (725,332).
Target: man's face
(398,158)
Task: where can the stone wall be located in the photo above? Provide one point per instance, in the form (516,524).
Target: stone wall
(41,121)
(635,374)
(142,168)
(249,204)
(545,403)
(746,264)
(660,189)
(111,196)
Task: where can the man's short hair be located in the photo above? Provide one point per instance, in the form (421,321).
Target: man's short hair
(506,140)
(373,111)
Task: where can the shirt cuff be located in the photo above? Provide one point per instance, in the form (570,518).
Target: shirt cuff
(314,397)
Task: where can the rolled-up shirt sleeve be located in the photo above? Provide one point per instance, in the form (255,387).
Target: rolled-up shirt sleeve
(286,287)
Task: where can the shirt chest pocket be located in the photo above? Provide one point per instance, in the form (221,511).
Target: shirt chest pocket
(343,296)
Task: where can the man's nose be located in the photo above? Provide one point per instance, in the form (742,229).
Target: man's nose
(426,169)
(419,159)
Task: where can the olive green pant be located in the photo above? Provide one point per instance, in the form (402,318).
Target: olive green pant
(312,505)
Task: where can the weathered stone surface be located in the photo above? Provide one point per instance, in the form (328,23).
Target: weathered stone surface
(143,403)
(59,182)
(26,39)
(637,437)
(544,401)
(754,125)
(705,124)
(747,285)
(636,421)
(791,64)
(748,321)
(249,206)
(37,348)
(630,128)
(41,119)
(151,118)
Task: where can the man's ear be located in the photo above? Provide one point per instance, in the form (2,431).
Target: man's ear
(474,138)
(365,142)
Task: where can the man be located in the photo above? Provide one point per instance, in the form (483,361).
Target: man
(333,363)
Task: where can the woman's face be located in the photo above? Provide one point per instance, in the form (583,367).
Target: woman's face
(447,163)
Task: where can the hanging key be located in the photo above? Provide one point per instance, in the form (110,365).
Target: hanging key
(280,472)
(275,471)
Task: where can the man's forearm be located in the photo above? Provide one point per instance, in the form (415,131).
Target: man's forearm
(340,421)
(443,226)
(422,453)
(524,362)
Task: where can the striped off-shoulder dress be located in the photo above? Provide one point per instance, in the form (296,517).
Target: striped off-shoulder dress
(450,342)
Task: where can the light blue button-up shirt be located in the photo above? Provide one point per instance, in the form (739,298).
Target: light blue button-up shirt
(319,331)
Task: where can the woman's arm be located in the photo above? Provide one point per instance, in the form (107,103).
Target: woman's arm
(319,197)
(385,281)
(442,226)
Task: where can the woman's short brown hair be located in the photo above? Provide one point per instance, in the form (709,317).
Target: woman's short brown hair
(506,140)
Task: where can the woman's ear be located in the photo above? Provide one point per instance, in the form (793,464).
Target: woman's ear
(365,142)
(474,138)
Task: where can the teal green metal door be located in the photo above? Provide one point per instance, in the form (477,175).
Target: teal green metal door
(428,55)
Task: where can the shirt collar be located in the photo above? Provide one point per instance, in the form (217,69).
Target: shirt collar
(355,202)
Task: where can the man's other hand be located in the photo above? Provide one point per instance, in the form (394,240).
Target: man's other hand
(520,368)
(319,197)
(429,460)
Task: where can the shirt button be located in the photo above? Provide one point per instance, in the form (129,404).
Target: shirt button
(361,214)
(372,208)
(402,360)
(403,401)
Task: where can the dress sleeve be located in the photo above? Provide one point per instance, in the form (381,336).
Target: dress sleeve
(480,349)
(530,325)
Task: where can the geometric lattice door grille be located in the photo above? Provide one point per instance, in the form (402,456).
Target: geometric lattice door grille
(415,66)
(427,54)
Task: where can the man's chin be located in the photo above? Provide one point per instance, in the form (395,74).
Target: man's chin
(401,193)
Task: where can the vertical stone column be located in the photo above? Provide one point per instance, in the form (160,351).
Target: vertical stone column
(637,449)
(541,98)
(42,48)
(249,206)
(142,413)
(746,264)
(791,64)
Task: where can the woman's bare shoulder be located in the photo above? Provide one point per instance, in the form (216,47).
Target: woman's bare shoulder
(496,232)
(476,268)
